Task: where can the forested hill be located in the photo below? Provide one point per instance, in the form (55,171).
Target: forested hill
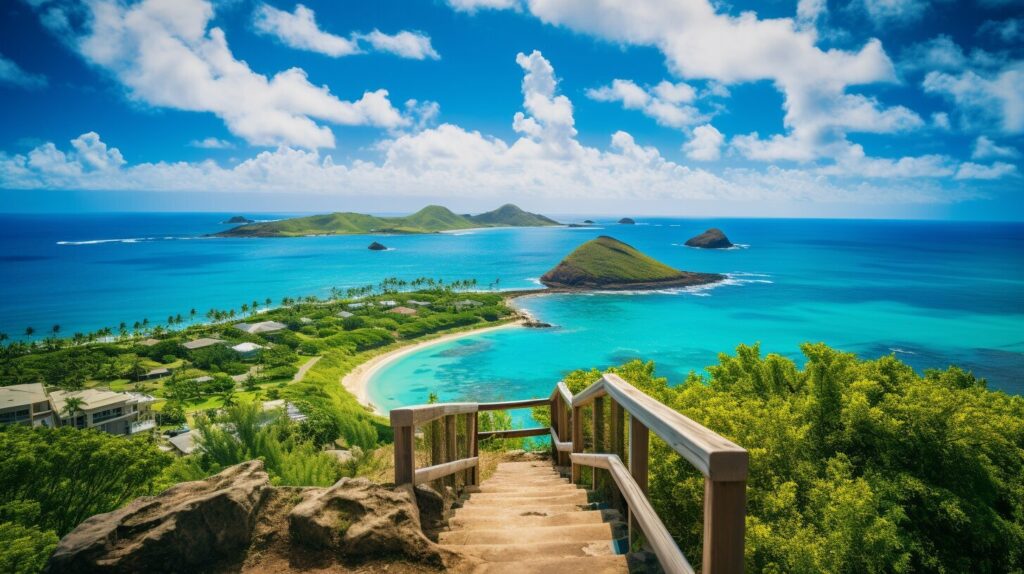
(430,219)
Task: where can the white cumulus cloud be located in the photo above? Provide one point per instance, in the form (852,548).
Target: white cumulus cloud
(165,54)
(299,30)
(667,103)
(998,170)
(984,99)
(985,148)
(706,144)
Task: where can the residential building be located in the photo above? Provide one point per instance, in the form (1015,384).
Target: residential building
(403,311)
(27,405)
(466,304)
(261,328)
(200,343)
(247,349)
(345,314)
(115,413)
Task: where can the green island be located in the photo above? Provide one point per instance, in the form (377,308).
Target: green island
(430,219)
(607,263)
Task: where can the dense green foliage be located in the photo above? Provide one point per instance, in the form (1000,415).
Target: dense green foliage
(52,479)
(855,466)
(430,219)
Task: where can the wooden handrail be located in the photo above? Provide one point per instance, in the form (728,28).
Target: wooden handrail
(716,457)
(560,446)
(509,405)
(426,474)
(664,547)
(514,433)
(419,414)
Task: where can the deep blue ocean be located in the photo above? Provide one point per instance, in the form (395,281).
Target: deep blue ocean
(935,293)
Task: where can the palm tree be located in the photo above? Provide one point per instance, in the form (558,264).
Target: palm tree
(192,315)
(227,398)
(55,329)
(267,302)
(29,331)
(71,407)
(245,308)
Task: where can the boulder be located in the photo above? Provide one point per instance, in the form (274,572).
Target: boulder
(710,239)
(357,519)
(377,247)
(626,221)
(186,528)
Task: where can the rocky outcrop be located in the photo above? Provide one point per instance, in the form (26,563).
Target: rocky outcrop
(626,221)
(588,221)
(238,219)
(357,519)
(188,527)
(710,239)
(377,247)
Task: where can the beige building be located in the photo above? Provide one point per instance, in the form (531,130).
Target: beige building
(27,405)
(115,413)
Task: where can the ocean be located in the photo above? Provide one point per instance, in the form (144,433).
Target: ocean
(934,293)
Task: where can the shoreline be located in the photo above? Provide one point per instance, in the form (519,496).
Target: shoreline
(357,381)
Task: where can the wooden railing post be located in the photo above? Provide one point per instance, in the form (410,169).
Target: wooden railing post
(554,425)
(724,522)
(405,455)
(577,440)
(450,453)
(472,430)
(639,446)
(563,431)
(618,422)
(598,420)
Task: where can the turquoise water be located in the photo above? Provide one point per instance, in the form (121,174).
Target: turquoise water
(935,292)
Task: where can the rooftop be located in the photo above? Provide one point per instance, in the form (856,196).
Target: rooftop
(246,347)
(19,395)
(345,314)
(149,342)
(261,327)
(92,399)
(200,343)
(403,311)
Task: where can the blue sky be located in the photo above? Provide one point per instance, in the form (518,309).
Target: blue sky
(860,108)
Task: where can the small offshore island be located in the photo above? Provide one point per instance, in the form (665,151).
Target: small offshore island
(430,219)
(606,263)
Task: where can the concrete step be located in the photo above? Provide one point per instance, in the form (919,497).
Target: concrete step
(517,552)
(527,534)
(575,565)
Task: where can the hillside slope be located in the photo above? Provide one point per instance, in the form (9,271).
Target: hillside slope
(430,219)
(607,263)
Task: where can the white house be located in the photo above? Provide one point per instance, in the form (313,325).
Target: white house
(247,349)
(27,405)
(115,413)
(261,327)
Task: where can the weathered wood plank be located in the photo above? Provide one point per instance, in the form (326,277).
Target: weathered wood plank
(560,446)
(405,455)
(450,453)
(515,433)
(664,547)
(419,414)
(442,470)
(509,405)
(724,518)
(577,440)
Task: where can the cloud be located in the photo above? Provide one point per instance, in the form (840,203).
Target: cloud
(405,44)
(997,170)
(985,148)
(1008,31)
(700,43)
(890,12)
(165,54)
(472,6)
(11,73)
(706,144)
(545,161)
(667,103)
(300,30)
(984,99)
(211,143)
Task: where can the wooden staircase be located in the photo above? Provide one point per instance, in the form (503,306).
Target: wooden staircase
(527,519)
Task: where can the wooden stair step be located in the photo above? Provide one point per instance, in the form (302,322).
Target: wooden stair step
(539,495)
(499,512)
(516,552)
(578,497)
(575,565)
(564,518)
(527,534)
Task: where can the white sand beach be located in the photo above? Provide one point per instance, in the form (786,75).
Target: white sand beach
(358,380)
